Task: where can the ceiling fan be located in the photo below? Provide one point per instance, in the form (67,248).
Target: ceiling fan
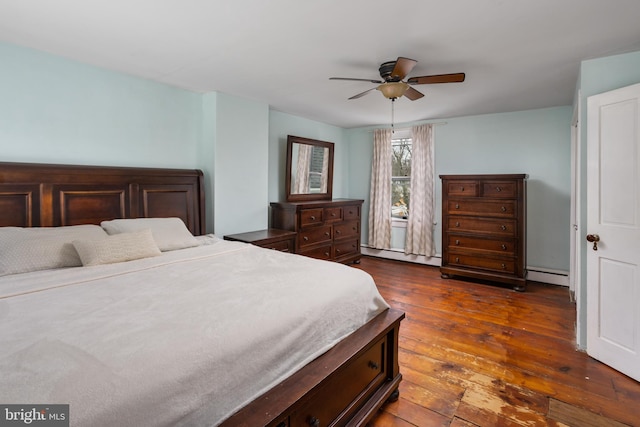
(393,85)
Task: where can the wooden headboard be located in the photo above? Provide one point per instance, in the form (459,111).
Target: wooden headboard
(42,195)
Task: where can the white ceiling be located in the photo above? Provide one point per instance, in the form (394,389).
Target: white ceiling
(517,54)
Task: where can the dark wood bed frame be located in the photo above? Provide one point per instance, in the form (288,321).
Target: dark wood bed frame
(344,387)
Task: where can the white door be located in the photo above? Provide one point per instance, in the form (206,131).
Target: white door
(613,217)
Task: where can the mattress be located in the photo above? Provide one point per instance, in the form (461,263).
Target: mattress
(185,338)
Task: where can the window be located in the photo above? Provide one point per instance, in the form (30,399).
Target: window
(316,169)
(401,176)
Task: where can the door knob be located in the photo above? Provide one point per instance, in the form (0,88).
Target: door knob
(593,238)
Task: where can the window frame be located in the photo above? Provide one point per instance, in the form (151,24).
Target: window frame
(397,140)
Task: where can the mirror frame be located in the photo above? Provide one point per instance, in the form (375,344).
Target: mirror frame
(328,195)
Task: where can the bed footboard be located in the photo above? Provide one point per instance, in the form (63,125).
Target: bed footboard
(344,387)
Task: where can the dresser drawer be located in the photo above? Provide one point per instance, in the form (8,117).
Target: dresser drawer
(490,226)
(314,235)
(493,264)
(351,212)
(333,214)
(354,384)
(502,189)
(323,252)
(311,217)
(346,248)
(495,208)
(346,229)
(503,246)
(283,246)
(463,188)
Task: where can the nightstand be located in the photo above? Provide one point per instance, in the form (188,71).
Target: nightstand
(271,238)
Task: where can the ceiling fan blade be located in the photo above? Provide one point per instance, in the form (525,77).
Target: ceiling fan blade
(356,80)
(362,94)
(437,78)
(413,94)
(403,67)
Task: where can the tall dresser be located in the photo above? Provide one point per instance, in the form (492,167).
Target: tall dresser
(484,227)
(327,229)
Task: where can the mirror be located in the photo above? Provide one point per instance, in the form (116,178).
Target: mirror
(309,173)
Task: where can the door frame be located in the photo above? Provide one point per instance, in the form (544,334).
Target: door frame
(575,243)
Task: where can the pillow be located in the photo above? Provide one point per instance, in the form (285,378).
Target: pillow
(117,248)
(169,233)
(39,248)
(207,239)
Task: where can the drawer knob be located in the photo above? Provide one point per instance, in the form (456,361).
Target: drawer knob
(350,212)
(326,254)
(338,232)
(504,267)
(503,227)
(333,214)
(326,233)
(373,365)
(457,259)
(461,188)
(338,250)
(457,206)
(314,422)
(457,242)
(503,208)
(313,218)
(498,189)
(504,247)
(457,224)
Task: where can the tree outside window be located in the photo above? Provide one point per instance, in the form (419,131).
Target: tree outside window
(400,179)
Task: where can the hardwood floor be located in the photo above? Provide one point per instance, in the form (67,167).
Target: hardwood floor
(478,355)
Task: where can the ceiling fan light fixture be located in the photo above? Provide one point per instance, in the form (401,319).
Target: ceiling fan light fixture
(393,90)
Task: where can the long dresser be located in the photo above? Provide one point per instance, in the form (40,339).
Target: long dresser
(327,229)
(484,227)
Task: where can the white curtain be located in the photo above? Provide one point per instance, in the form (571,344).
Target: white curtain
(380,195)
(419,238)
(325,170)
(303,166)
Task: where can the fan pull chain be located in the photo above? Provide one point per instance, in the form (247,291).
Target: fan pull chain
(393,103)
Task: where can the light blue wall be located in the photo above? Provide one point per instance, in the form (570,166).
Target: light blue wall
(597,76)
(53,110)
(241,165)
(535,142)
(283,124)
(206,155)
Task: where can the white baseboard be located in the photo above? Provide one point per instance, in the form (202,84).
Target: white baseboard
(552,277)
(534,274)
(399,255)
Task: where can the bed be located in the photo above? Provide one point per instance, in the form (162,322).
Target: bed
(156,340)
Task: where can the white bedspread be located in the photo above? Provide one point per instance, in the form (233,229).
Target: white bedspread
(186,338)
